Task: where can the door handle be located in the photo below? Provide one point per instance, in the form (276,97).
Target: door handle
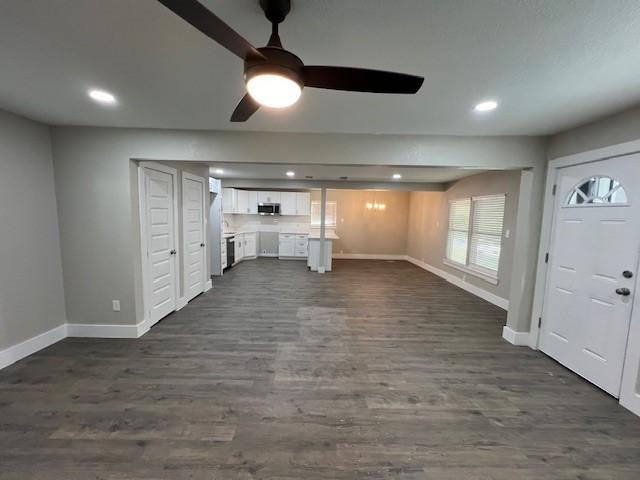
(172,252)
(625,292)
(202,244)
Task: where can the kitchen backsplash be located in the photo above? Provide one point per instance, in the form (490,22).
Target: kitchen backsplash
(290,223)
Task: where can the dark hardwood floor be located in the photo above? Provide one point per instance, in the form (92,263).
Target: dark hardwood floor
(377,370)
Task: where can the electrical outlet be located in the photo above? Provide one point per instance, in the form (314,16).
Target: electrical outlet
(115,304)
(507,233)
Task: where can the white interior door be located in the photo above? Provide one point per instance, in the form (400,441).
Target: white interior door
(592,269)
(193,228)
(159,235)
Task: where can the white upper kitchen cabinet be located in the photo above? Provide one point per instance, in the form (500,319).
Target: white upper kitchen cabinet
(303,203)
(242,205)
(268,197)
(253,203)
(288,203)
(229,200)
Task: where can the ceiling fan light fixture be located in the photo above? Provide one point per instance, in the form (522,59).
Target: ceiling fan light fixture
(273,90)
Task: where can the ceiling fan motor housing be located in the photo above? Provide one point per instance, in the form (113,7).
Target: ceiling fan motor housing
(276,10)
(279,62)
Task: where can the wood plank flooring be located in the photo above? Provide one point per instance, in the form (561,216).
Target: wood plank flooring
(377,370)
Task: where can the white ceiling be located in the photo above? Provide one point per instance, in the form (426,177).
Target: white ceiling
(552,64)
(368,173)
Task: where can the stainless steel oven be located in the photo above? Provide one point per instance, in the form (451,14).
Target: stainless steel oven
(269,209)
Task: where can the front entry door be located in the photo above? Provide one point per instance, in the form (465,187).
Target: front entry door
(593,268)
(193,190)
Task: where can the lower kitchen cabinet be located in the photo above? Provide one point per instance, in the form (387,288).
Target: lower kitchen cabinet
(293,246)
(250,245)
(239,247)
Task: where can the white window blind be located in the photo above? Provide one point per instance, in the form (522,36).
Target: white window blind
(329,216)
(458,233)
(486,233)
(474,236)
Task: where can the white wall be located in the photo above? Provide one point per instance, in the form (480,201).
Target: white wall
(31,286)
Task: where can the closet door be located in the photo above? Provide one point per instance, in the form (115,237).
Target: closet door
(159,237)
(193,234)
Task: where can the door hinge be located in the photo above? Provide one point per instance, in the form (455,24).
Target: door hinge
(546,257)
(553,190)
(539,322)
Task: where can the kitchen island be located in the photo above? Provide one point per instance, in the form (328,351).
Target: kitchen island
(313,261)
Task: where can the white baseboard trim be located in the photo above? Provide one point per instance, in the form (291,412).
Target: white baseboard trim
(106,331)
(367,256)
(23,349)
(458,282)
(520,339)
(181,303)
(209,285)
(268,255)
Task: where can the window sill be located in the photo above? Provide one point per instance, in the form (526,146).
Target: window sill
(471,271)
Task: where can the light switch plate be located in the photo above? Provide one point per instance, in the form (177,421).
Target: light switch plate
(115,304)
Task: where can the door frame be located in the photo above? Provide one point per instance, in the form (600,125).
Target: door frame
(629,397)
(205,189)
(142,200)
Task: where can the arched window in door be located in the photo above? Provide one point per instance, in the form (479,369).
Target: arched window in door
(598,190)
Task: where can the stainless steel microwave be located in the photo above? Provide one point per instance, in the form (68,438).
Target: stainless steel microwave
(269,209)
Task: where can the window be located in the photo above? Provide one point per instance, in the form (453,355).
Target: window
(458,236)
(597,191)
(474,237)
(329,216)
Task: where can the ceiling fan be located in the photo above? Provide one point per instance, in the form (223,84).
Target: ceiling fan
(274,76)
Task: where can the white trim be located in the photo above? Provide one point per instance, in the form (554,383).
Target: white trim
(208,285)
(269,255)
(88,330)
(515,338)
(471,271)
(143,232)
(181,303)
(23,349)
(458,282)
(368,256)
(183,228)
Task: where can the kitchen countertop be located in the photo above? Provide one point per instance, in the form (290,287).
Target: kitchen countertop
(313,234)
(329,235)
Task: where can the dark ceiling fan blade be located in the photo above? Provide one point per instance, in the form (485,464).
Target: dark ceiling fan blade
(247,107)
(208,23)
(360,79)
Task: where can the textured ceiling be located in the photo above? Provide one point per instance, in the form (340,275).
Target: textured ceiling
(552,64)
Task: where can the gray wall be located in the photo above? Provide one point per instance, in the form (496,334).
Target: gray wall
(31,287)
(619,128)
(94,178)
(428,222)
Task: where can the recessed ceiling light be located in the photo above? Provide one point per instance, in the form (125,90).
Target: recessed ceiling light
(102,96)
(291,174)
(219,171)
(487,106)
(397,176)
